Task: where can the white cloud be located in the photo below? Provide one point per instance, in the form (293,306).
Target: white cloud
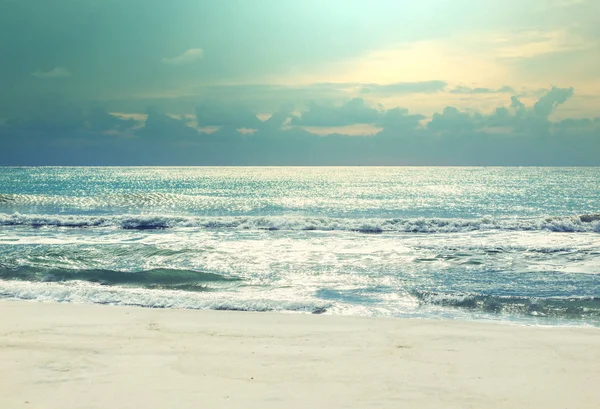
(531,44)
(191,55)
(57,72)
(350,130)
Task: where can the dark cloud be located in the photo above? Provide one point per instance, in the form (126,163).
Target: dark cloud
(165,128)
(54,117)
(355,111)
(577,126)
(454,121)
(517,117)
(278,118)
(399,118)
(547,103)
(516,134)
(516,104)
(216,114)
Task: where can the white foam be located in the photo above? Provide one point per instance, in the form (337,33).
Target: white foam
(84,292)
(416,225)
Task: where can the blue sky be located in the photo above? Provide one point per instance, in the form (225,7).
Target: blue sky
(299,82)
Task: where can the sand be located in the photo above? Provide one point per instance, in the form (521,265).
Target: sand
(63,356)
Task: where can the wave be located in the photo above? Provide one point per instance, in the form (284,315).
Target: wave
(83,292)
(553,307)
(583,223)
(160,278)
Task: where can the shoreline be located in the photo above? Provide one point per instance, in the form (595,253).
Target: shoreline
(483,318)
(98,356)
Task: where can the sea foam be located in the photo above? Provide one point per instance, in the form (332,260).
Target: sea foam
(584,223)
(85,292)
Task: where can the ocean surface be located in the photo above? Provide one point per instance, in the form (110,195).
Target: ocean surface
(519,245)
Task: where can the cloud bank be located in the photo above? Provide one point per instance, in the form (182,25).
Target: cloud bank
(516,133)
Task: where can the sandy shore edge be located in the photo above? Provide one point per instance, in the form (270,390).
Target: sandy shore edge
(89,356)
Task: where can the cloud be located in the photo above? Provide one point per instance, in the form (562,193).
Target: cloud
(454,121)
(57,117)
(116,57)
(57,72)
(399,118)
(547,103)
(165,128)
(216,114)
(468,90)
(404,87)
(355,111)
(189,56)
(517,118)
(279,117)
(518,133)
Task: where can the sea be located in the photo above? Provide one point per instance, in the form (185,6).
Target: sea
(510,244)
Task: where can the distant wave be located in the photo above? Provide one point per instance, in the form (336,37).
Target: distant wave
(554,307)
(583,223)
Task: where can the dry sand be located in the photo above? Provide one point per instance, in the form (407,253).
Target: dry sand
(62,356)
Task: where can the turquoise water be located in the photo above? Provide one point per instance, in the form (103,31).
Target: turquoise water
(513,244)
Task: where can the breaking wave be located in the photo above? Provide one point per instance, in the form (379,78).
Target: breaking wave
(553,307)
(160,278)
(583,223)
(84,292)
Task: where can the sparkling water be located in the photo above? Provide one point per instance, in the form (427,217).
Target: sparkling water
(511,244)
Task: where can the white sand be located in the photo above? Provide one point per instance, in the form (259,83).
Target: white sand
(62,356)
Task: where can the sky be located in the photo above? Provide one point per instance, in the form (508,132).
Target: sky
(299,82)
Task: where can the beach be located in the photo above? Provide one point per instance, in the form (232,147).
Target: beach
(61,355)
(299,204)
